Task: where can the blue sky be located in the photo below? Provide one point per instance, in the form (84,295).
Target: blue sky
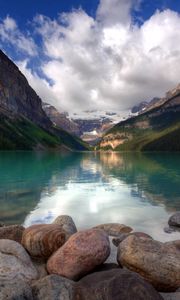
(24,11)
(95,55)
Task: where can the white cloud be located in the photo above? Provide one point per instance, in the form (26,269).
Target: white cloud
(114,11)
(9,24)
(107,63)
(10,33)
(41,86)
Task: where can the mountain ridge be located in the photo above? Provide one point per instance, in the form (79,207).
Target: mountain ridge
(157,129)
(24,124)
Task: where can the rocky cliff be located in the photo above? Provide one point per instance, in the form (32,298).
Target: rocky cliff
(16,96)
(61,119)
(23,122)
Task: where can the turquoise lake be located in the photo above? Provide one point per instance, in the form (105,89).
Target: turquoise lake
(139,190)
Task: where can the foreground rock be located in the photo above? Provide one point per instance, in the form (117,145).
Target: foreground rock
(43,240)
(174,220)
(158,263)
(80,254)
(12,232)
(54,287)
(67,224)
(117,284)
(15,263)
(15,290)
(123,236)
(108,285)
(114,229)
(40,267)
(171,229)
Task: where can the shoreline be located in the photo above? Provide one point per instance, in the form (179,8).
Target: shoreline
(54,252)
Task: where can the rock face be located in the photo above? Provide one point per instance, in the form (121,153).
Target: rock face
(24,123)
(158,263)
(44,239)
(61,119)
(54,287)
(114,229)
(15,290)
(116,284)
(67,224)
(80,254)
(13,232)
(123,236)
(15,263)
(174,220)
(17,96)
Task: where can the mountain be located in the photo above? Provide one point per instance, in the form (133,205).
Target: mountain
(91,130)
(155,102)
(139,107)
(93,124)
(61,119)
(23,123)
(156,129)
(144,106)
(89,125)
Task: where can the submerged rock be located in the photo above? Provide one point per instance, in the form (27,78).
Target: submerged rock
(15,262)
(15,290)
(123,236)
(53,287)
(174,220)
(12,232)
(67,224)
(80,254)
(158,263)
(43,240)
(117,284)
(114,229)
(171,229)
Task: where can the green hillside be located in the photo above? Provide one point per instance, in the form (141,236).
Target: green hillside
(155,130)
(21,134)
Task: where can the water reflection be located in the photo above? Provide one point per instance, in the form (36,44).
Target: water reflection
(135,189)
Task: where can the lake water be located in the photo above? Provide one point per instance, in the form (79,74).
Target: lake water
(139,190)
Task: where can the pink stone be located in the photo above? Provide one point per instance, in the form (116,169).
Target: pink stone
(80,254)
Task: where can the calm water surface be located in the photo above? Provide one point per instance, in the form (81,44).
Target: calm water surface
(140,190)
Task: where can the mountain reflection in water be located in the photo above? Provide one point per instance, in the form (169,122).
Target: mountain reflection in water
(140,190)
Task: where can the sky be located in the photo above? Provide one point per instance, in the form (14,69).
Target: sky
(94,54)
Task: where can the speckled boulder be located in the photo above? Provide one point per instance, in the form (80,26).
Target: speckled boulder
(54,287)
(12,232)
(15,262)
(117,284)
(123,236)
(158,263)
(114,229)
(80,254)
(15,290)
(67,224)
(43,240)
(174,220)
